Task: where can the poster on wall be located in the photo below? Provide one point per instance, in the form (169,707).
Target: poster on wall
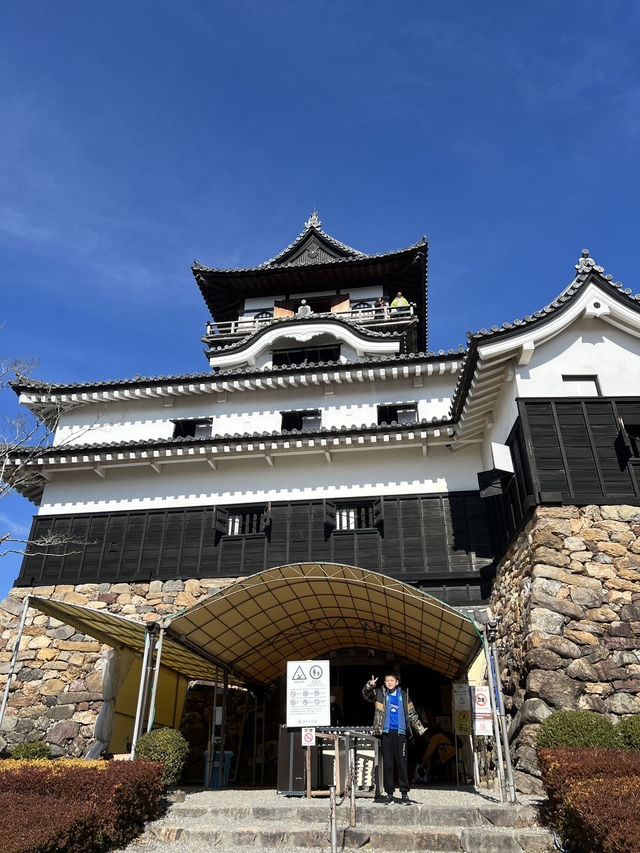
(308,694)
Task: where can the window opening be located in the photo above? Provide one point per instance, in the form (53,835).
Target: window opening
(303,421)
(242,521)
(192,428)
(305,355)
(353,516)
(587,385)
(402,413)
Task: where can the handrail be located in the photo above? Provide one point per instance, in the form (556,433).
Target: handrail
(244,326)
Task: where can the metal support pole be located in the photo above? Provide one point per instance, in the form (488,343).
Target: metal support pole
(496,723)
(223,729)
(352,786)
(212,738)
(491,636)
(154,688)
(455,736)
(255,737)
(141,692)
(332,819)
(14,658)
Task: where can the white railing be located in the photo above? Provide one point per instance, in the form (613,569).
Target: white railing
(368,317)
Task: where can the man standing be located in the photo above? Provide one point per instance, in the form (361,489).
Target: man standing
(393,718)
(399,302)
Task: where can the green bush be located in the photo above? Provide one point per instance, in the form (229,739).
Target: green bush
(582,729)
(37,749)
(168,746)
(629,732)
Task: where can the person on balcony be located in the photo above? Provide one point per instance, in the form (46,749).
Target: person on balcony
(399,303)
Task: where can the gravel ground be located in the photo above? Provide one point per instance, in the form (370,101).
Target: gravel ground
(198,797)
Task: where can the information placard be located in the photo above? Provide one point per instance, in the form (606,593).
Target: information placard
(482,716)
(308,693)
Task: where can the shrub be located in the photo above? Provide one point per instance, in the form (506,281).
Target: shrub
(166,745)
(79,806)
(581,729)
(629,732)
(35,824)
(37,749)
(593,796)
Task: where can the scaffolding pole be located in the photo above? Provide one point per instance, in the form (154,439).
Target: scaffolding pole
(496,722)
(491,637)
(142,690)
(14,658)
(156,675)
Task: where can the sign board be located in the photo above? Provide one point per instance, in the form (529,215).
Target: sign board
(463,722)
(308,737)
(308,694)
(482,716)
(461,697)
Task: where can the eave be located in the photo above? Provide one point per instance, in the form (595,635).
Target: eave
(44,466)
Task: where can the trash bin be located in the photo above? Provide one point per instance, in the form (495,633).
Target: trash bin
(211,772)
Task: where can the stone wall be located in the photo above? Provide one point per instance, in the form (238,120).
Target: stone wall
(56,692)
(567,601)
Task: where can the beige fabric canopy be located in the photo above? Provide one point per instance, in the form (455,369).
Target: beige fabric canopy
(122,633)
(305,610)
(294,612)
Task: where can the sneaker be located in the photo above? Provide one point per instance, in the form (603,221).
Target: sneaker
(405,799)
(386,801)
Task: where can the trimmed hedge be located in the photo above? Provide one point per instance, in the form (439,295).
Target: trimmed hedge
(169,747)
(581,729)
(75,806)
(629,732)
(593,796)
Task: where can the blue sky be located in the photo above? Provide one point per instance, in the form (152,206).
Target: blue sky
(137,136)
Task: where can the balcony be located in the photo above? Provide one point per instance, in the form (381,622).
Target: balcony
(375,319)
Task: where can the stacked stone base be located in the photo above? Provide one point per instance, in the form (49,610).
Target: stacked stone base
(56,691)
(567,600)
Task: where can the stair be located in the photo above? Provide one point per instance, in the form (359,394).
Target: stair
(251,820)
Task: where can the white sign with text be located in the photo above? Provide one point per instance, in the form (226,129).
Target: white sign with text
(308,694)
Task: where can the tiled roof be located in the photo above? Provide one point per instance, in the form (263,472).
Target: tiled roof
(25,383)
(586,268)
(226,438)
(313,225)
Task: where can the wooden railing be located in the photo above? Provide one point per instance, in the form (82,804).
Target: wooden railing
(373,318)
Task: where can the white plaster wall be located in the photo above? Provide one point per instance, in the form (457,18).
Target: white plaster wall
(505,414)
(247,411)
(586,347)
(293,477)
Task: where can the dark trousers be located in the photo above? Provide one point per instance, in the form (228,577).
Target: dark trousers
(394,752)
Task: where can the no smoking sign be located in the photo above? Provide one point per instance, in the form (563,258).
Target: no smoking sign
(308,737)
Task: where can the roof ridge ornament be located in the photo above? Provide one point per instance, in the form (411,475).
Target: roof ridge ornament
(313,221)
(587,264)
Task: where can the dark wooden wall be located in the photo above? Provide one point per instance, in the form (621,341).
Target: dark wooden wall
(567,451)
(439,542)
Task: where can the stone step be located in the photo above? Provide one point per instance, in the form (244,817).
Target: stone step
(488,814)
(435,840)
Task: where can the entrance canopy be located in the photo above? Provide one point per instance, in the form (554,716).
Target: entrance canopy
(304,610)
(295,612)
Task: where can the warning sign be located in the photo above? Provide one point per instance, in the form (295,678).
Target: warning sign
(308,699)
(308,737)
